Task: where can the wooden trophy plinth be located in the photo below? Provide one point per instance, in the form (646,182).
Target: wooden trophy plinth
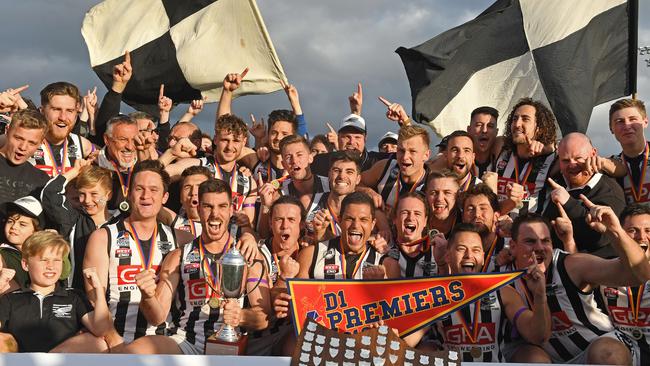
(216,346)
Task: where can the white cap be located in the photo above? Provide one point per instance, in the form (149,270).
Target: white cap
(29,206)
(388,135)
(353,121)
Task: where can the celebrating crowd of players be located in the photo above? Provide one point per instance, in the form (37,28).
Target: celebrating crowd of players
(98,203)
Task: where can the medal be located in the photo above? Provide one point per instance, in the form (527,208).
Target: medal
(475,352)
(214,303)
(124,206)
(276,183)
(637,191)
(636,334)
(635,306)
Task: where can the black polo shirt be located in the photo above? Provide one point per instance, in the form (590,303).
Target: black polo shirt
(41,323)
(321,163)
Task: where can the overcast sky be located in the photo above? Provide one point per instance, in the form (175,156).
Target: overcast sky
(325,47)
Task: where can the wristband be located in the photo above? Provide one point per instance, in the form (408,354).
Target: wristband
(257,279)
(248,205)
(515,332)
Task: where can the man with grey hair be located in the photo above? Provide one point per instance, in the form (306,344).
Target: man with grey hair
(119,156)
(577,178)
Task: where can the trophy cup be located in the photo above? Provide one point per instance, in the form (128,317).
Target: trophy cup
(233,273)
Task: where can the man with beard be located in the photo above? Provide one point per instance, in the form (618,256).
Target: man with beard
(188,218)
(119,156)
(139,242)
(488,316)
(574,150)
(301,183)
(460,158)
(580,330)
(349,256)
(230,136)
(442,194)
(414,250)
(629,307)
(390,178)
(24,135)
(529,127)
(481,208)
(627,121)
(188,276)
(61,147)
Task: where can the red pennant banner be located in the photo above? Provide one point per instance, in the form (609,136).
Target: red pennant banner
(404,304)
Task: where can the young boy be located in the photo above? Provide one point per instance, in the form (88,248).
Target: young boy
(44,315)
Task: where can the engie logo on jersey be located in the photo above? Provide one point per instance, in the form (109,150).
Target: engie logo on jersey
(126,276)
(198,291)
(624,316)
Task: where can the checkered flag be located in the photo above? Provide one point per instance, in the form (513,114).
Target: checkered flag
(187,45)
(572,55)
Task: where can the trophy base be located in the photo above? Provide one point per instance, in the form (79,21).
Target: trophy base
(214,346)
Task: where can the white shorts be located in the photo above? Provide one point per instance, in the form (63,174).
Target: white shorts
(186,347)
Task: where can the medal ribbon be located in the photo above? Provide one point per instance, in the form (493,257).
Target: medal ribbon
(635,305)
(212,279)
(527,293)
(465,184)
(424,240)
(138,244)
(474,330)
(356,266)
(399,185)
(192,227)
(489,254)
(233,177)
(636,192)
(123,187)
(529,168)
(58,169)
(334,222)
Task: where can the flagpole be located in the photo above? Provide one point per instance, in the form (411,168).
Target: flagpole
(633,7)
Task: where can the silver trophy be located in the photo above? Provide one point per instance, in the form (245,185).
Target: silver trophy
(233,271)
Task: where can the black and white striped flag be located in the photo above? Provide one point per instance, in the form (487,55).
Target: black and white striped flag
(570,54)
(187,45)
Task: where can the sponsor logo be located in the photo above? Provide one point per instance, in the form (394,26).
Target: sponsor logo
(198,291)
(489,302)
(38,154)
(502,182)
(126,276)
(45,168)
(164,246)
(456,334)
(331,269)
(610,292)
(123,253)
(643,197)
(624,316)
(191,268)
(63,311)
(193,256)
(560,321)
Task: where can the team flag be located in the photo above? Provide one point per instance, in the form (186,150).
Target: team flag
(404,304)
(572,55)
(187,45)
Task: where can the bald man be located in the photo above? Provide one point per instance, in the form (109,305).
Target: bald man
(575,179)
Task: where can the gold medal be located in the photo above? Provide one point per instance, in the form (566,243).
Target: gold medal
(475,352)
(275,183)
(124,206)
(214,302)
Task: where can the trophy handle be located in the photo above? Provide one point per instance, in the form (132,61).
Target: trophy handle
(259,280)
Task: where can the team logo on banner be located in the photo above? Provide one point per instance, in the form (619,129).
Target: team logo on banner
(404,304)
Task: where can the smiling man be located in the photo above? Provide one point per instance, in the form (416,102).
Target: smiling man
(61,147)
(573,151)
(139,242)
(442,194)
(407,172)
(529,127)
(24,135)
(350,255)
(460,158)
(460,330)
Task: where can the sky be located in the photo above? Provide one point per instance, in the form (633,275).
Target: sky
(325,47)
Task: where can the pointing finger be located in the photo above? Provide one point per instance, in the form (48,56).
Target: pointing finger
(19,89)
(386,102)
(162,91)
(359,90)
(243,73)
(587,202)
(561,210)
(553,184)
(127,57)
(330,127)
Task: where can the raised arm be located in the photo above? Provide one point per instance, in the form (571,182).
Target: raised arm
(230,83)
(157,298)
